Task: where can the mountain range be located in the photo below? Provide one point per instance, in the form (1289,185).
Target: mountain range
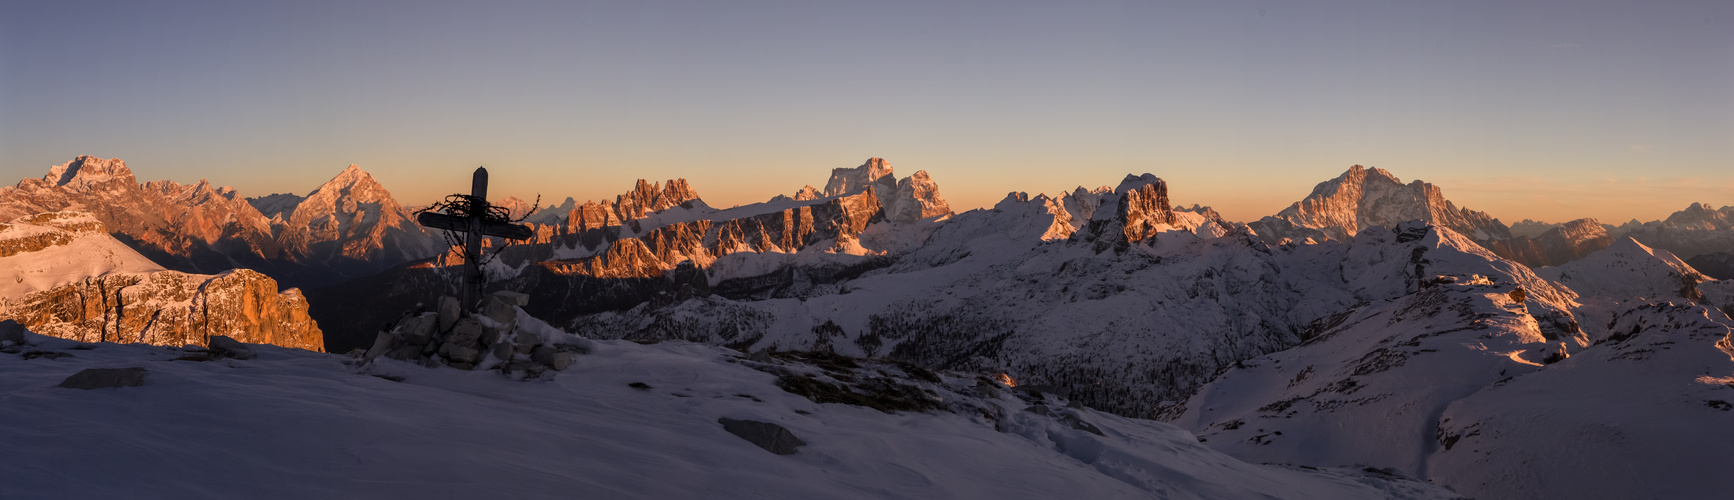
(1373,323)
(348,227)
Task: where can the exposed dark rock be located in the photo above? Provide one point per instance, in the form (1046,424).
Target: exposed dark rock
(224,347)
(11,333)
(100,378)
(772,437)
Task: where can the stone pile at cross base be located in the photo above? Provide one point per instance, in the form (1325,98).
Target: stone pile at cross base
(489,340)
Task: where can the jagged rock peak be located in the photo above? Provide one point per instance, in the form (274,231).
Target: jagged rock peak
(85,170)
(352,181)
(647,197)
(917,197)
(875,173)
(1143,206)
(1364,197)
(1133,182)
(807,192)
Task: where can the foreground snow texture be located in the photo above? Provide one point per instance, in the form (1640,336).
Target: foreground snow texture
(297,424)
(1448,384)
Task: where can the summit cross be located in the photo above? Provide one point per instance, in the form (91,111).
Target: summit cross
(475,224)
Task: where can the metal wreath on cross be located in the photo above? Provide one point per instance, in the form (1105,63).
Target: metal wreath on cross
(475,217)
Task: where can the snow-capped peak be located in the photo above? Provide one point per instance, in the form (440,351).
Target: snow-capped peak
(1364,197)
(1132,182)
(351,182)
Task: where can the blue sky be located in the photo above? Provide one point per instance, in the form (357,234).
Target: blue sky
(1546,110)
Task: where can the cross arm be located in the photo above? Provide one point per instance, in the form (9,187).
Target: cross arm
(459,224)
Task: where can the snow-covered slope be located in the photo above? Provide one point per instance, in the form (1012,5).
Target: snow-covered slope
(1128,324)
(43,251)
(1628,270)
(1368,387)
(1457,386)
(1646,413)
(627,421)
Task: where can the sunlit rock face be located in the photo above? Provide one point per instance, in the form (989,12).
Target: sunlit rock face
(348,227)
(72,280)
(354,221)
(703,241)
(190,227)
(651,197)
(171,308)
(1365,197)
(917,197)
(873,175)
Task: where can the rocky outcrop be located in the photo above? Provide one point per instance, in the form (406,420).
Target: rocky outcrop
(1140,211)
(917,197)
(73,280)
(649,197)
(1143,207)
(873,175)
(1365,197)
(907,200)
(628,258)
(702,242)
(170,308)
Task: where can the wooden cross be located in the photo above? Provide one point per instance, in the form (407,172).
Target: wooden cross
(474,226)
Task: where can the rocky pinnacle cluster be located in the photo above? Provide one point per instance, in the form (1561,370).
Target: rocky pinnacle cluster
(489,339)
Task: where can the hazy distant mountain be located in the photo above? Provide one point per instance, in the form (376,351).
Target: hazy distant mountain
(1719,265)
(1688,233)
(1559,244)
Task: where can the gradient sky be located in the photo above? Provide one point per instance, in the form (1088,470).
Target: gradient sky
(1543,110)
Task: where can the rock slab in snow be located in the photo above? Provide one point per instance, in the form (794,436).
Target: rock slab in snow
(225,347)
(772,437)
(11,332)
(101,378)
